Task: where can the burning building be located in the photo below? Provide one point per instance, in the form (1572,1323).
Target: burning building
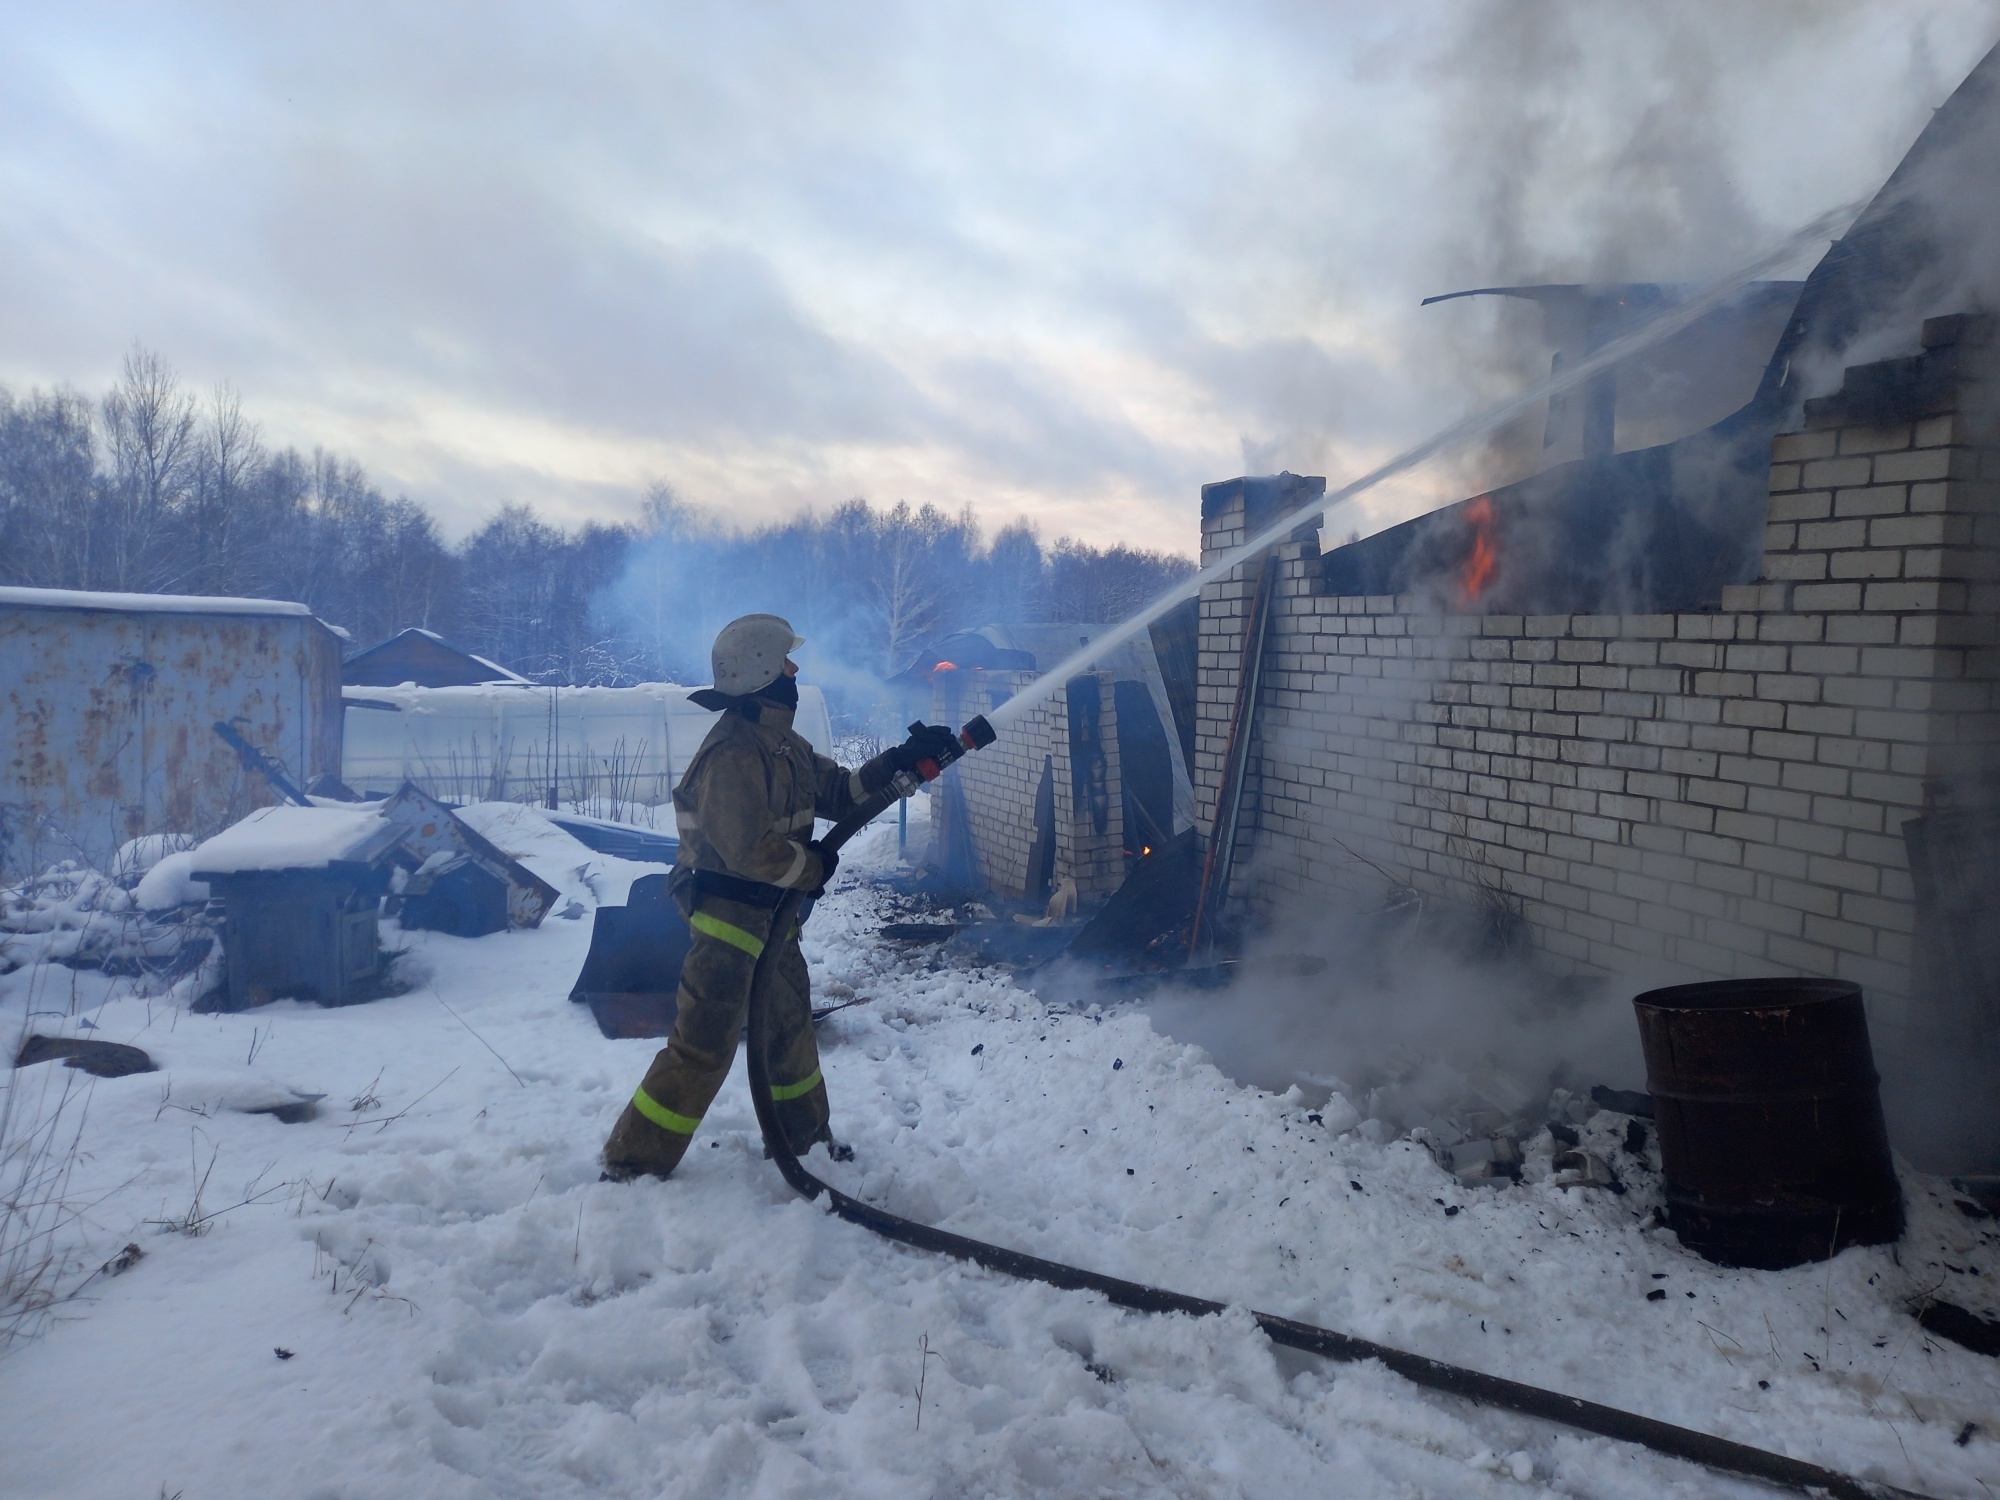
(1686,709)
(1685,383)
(1088,782)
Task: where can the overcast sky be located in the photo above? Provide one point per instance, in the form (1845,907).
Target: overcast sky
(1061,262)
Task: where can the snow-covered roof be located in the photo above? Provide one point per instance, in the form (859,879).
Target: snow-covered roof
(295,838)
(377,666)
(454,740)
(500,673)
(172,604)
(412,697)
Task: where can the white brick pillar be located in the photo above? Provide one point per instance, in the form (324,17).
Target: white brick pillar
(1232,512)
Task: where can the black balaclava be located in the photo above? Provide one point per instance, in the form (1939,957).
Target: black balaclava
(781,693)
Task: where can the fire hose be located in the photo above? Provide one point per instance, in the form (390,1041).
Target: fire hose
(1490,1390)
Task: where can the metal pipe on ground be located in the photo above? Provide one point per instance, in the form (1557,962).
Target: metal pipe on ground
(1489,1390)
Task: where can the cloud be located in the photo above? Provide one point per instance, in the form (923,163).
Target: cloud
(1057,262)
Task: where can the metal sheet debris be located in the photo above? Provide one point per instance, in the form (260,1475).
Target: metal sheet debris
(429,827)
(108,705)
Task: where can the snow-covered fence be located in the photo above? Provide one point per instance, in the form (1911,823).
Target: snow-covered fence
(499,742)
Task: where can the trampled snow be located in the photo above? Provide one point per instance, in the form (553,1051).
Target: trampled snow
(465,1311)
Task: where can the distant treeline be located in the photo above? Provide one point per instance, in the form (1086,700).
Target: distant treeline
(152,489)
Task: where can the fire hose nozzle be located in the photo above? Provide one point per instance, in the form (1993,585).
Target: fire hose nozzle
(977,734)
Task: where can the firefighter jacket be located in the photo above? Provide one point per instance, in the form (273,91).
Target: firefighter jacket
(746,804)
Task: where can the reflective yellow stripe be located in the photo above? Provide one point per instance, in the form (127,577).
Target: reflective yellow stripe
(784,1091)
(660,1115)
(728,932)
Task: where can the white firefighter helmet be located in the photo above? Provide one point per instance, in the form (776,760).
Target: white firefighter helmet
(750,652)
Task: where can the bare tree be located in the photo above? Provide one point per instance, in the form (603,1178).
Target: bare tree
(1087,584)
(149,426)
(408,579)
(221,531)
(1019,574)
(48,489)
(905,580)
(182,495)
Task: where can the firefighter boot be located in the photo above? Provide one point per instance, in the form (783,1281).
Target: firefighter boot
(637,1147)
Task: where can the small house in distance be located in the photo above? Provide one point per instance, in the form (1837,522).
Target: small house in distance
(425,658)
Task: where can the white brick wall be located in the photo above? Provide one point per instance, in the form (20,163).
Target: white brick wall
(1720,792)
(998,785)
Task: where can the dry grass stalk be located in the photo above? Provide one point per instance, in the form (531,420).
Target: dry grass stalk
(40,1232)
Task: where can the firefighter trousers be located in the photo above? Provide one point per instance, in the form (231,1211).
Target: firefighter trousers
(657,1126)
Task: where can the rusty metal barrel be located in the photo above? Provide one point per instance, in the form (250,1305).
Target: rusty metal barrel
(1770,1119)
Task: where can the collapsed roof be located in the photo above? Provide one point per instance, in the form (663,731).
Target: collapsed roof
(1665,527)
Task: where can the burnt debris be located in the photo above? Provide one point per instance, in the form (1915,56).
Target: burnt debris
(99,1059)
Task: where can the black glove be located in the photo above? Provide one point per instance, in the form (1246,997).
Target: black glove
(932,742)
(829,861)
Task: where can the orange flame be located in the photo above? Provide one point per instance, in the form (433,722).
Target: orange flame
(1480,565)
(945,666)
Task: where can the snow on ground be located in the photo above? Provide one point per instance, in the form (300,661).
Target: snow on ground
(469,1312)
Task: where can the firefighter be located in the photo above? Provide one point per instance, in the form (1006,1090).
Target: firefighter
(745,809)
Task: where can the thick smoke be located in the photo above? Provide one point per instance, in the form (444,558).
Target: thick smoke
(866,586)
(1400,1005)
(1065,263)
(1403,978)
(1405,1027)
(1590,144)
(1928,245)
